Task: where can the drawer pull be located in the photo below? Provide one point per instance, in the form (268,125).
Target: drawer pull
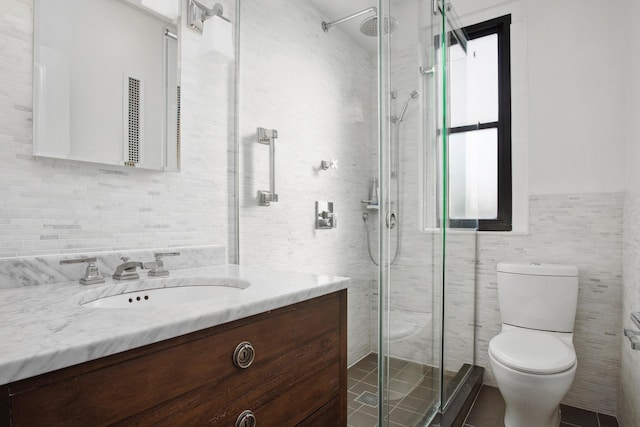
(246,419)
(243,355)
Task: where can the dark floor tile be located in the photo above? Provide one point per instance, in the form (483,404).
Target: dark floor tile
(429,382)
(607,421)
(423,393)
(577,416)
(488,409)
(397,363)
(404,417)
(371,379)
(409,375)
(361,387)
(394,371)
(371,410)
(414,404)
(356,373)
(350,382)
(368,363)
(400,389)
(351,401)
(371,357)
(360,419)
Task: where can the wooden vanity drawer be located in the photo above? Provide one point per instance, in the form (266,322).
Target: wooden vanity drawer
(300,364)
(327,416)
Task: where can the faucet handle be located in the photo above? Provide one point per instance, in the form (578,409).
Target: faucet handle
(92,275)
(125,258)
(157,267)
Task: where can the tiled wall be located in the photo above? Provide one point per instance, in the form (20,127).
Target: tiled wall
(628,408)
(315,89)
(583,230)
(629,389)
(50,206)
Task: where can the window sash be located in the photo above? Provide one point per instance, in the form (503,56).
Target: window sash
(503,222)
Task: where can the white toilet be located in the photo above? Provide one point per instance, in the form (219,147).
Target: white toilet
(532,358)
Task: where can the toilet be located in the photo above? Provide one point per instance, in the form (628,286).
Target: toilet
(533,358)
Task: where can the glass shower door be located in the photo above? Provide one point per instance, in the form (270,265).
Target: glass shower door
(426,307)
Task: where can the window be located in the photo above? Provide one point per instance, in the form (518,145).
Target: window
(480,129)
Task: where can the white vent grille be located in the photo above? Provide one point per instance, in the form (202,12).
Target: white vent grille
(178,130)
(134,122)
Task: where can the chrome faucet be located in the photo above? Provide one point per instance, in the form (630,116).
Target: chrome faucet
(127,270)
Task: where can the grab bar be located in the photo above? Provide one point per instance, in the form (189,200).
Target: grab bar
(268,137)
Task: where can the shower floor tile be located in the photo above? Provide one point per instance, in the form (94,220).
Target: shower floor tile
(411,392)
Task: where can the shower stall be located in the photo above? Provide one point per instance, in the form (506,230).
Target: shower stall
(354,98)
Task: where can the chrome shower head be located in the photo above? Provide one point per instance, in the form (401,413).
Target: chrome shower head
(369,27)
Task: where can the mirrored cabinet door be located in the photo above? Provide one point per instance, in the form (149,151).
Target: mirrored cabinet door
(107,82)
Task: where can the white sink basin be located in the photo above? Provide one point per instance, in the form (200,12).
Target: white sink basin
(169,292)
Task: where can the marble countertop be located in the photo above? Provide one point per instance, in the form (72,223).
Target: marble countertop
(45,328)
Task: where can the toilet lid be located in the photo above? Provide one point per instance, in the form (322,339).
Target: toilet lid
(533,352)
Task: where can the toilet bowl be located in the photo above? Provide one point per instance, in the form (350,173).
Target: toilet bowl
(534,371)
(533,359)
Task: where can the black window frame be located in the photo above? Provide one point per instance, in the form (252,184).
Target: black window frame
(503,221)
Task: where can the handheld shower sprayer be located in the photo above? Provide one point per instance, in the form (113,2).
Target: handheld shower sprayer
(400,118)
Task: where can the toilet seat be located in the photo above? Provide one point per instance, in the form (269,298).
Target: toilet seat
(532,352)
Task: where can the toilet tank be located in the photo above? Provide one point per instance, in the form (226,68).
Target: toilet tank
(538,296)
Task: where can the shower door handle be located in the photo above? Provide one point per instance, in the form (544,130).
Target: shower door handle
(268,137)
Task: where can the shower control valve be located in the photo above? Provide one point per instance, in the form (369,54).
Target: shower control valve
(326,217)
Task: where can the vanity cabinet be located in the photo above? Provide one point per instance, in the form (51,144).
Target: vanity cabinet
(297,377)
